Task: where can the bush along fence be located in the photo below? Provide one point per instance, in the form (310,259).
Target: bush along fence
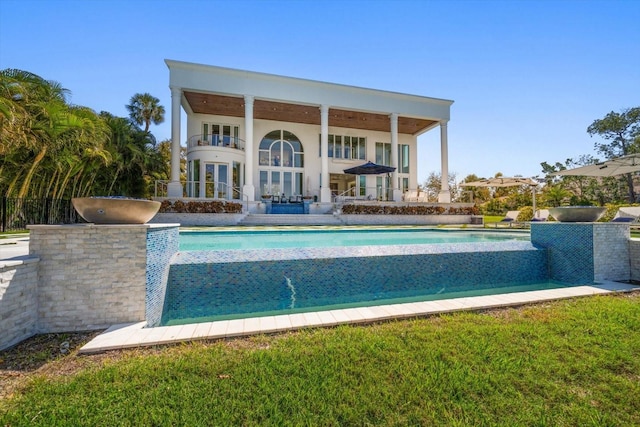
(407,210)
(16,214)
(215,206)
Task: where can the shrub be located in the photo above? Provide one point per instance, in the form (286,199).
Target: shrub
(351,209)
(526,214)
(214,206)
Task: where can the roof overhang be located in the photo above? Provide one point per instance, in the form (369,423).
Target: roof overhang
(220,91)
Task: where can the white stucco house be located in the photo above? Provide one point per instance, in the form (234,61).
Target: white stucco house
(250,133)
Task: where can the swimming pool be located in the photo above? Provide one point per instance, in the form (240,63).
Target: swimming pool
(269,272)
(352,236)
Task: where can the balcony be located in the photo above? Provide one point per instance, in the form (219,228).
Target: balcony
(215,140)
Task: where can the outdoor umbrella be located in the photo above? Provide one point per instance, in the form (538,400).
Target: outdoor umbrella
(612,167)
(501,182)
(369,168)
(506,182)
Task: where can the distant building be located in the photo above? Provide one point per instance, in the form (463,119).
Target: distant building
(252,133)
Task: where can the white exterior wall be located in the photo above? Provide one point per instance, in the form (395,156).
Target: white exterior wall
(309,136)
(260,86)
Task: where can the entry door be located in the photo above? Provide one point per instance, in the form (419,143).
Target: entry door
(217,180)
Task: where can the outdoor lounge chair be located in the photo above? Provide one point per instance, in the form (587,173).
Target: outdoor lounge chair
(510,218)
(540,215)
(411,196)
(627,214)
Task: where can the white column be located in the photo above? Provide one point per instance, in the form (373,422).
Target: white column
(397,192)
(248,189)
(445,195)
(325,190)
(174,189)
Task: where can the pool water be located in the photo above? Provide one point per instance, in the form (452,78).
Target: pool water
(236,274)
(291,300)
(270,239)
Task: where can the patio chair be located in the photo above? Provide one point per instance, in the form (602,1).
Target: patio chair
(629,214)
(411,196)
(510,218)
(540,215)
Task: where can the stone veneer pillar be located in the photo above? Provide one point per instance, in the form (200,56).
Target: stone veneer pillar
(584,252)
(93,276)
(18,300)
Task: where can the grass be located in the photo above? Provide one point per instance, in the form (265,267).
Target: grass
(567,363)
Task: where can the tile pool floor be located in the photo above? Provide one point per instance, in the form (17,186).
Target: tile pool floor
(136,335)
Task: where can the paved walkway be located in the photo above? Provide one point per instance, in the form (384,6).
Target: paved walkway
(136,335)
(14,247)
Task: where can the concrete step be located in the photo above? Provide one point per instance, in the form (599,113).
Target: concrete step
(284,219)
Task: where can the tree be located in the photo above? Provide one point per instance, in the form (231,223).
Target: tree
(479,194)
(432,186)
(554,195)
(42,135)
(623,132)
(145,109)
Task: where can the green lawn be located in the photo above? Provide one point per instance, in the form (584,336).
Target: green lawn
(567,363)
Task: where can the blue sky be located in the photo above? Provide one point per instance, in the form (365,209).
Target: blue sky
(527,77)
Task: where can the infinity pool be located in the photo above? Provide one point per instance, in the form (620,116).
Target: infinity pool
(272,239)
(236,273)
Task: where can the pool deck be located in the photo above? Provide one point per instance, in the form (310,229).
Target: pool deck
(136,335)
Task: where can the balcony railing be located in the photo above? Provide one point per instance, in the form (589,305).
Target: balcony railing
(215,140)
(210,190)
(364,193)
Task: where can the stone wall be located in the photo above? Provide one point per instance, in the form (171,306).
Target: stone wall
(634,256)
(404,219)
(611,251)
(91,276)
(18,300)
(582,253)
(197,219)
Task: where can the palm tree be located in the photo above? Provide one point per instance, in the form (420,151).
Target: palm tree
(39,128)
(554,195)
(145,109)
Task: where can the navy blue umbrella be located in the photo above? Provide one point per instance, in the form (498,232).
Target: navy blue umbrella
(369,168)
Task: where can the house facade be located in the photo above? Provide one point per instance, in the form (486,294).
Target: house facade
(250,134)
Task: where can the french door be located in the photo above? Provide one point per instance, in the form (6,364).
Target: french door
(279,182)
(216,179)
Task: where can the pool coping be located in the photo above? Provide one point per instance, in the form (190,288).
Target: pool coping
(130,335)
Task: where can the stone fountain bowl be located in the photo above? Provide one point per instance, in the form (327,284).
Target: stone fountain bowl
(577,213)
(115,210)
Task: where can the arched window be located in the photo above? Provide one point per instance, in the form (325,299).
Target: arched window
(281,148)
(281,161)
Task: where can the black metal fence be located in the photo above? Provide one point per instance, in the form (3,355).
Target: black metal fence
(16,214)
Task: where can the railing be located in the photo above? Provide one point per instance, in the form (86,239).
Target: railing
(364,193)
(191,189)
(215,140)
(16,214)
